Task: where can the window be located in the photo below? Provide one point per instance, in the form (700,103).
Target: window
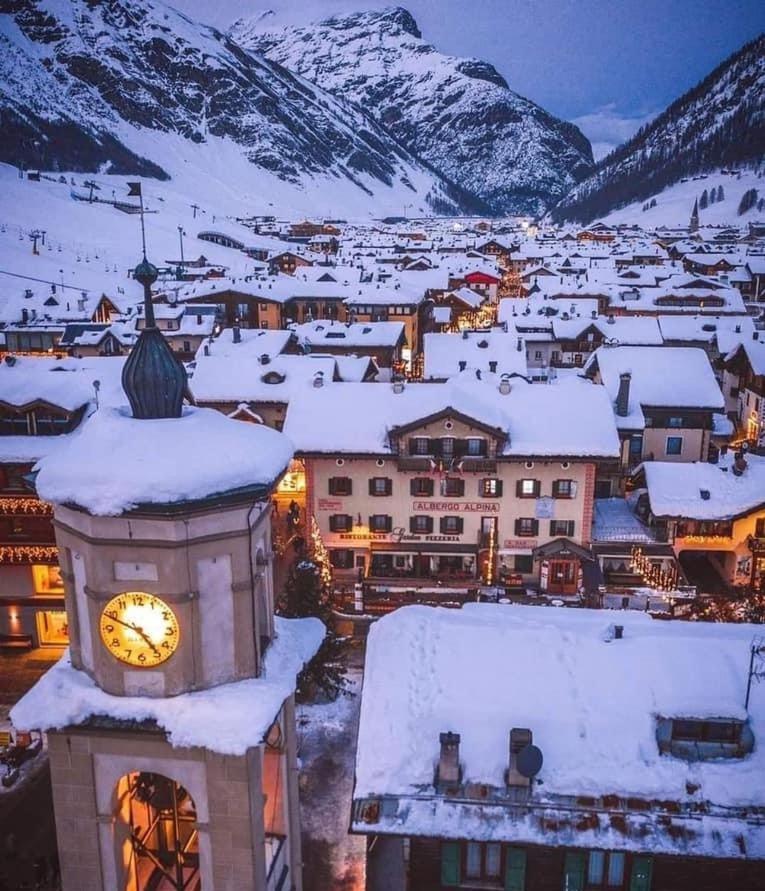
(674,445)
(674,422)
(341,558)
(707,731)
(421,524)
(340,485)
(380,523)
(537,354)
(421,485)
(605,869)
(490,488)
(475,447)
(526,526)
(528,488)
(759,528)
(453,486)
(562,527)
(186,346)
(446,449)
(340,523)
(524,563)
(451,525)
(483,860)
(564,489)
(636,445)
(380,486)
(419,445)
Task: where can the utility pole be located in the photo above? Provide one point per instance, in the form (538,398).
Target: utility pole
(34,236)
(91,185)
(195,208)
(756,670)
(181,233)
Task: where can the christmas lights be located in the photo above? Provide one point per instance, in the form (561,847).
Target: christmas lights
(10,505)
(320,554)
(28,554)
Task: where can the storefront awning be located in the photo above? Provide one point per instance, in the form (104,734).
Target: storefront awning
(423,547)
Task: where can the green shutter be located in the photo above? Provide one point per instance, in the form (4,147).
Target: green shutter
(573,875)
(450,863)
(642,870)
(515,869)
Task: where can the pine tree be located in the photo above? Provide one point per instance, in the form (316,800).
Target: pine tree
(713,196)
(653,202)
(748,201)
(720,194)
(704,200)
(308,595)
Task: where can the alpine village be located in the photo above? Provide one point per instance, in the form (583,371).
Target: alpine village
(382,475)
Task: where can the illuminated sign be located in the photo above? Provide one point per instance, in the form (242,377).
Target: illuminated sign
(456,507)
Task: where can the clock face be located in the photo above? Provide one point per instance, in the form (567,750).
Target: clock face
(139,629)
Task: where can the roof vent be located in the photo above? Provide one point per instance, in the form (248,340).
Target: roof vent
(525,758)
(398,385)
(705,495)
(265,359)
(482,344)
(318,379)
(504,384)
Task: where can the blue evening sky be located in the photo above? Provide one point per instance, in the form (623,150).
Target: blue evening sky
(607,66)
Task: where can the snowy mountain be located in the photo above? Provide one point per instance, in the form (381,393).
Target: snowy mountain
(459,115)
(720,123)
(132,86)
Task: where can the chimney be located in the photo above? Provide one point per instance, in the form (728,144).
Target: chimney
(318,379)
(398,385)
(462,364)
(493,366)
(520,737)
(207,349)
(739,464)
(519,344)
(618,632)
(449,759)
(236,334)
(264,359)
(623,396)
(611,320)
(504,384)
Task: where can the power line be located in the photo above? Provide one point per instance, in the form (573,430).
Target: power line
(45,281)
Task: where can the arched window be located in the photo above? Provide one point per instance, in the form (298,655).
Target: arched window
(158,844)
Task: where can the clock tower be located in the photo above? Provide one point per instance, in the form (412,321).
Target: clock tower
(171,724)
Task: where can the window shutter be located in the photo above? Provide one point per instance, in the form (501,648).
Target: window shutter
(499,488)
(430,524)
(412,524)
(537,488)
(642,871)
(535,527)
(460,487)
(388,486)
(573,488)
(573,871)
(450,864)
(515,869)
(518,490)
(460,525)
(413,484)
(412,445)
(518,527)
(372,486)
(442,525)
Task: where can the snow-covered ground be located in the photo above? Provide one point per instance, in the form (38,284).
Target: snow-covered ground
(675,203)
(326,749)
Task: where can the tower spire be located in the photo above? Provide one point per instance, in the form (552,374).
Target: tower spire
(153,378)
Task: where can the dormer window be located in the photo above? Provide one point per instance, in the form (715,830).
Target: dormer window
(704,739)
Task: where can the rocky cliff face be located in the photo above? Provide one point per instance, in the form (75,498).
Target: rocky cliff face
(458,115)
(84,84)
(719,123)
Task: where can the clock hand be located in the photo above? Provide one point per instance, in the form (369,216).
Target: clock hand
(135,628)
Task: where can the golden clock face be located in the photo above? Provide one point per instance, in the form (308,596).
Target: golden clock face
(139,629)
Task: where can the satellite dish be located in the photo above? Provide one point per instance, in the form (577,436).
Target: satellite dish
(529,761)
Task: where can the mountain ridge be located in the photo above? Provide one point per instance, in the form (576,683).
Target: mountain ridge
(458,115)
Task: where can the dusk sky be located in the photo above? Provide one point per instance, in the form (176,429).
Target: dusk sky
(607,66)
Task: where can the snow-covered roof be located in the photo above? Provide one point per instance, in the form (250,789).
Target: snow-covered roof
(678,377)
(476,349)
(113,462)
(755,354)
(591,703)
(349,334)
(357,418)
(702,491)
(66,383)
(642,330)
(253,342)
(210,718)
(230,379)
